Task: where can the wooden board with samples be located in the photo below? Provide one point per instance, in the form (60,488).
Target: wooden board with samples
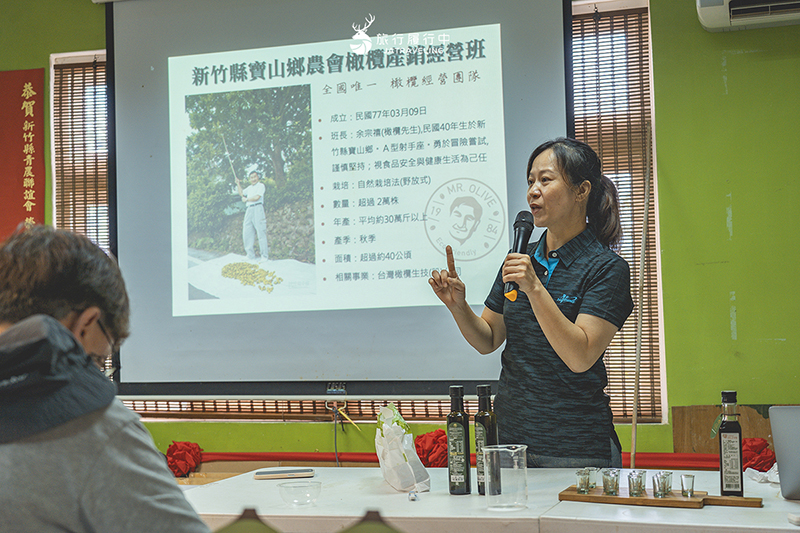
(675,499)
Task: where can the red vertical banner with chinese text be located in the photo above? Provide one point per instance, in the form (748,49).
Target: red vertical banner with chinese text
(22,158)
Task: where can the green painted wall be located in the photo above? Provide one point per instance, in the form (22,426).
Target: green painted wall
(727,122)
(319,436)
(272,436)
(727,128)
(31,30)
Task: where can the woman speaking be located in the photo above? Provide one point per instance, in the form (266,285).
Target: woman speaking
(574,294)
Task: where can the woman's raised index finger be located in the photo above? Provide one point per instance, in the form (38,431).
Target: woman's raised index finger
(451,262)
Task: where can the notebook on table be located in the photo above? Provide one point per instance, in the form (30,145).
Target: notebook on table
(785,423)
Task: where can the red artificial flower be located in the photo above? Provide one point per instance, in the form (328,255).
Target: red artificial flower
(762,462)
(432,448)
(756,445)
(184,457)
(757,455)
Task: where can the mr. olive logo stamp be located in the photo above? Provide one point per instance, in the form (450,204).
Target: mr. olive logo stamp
(467,215)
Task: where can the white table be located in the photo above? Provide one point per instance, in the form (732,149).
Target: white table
(583,517)
(347,493)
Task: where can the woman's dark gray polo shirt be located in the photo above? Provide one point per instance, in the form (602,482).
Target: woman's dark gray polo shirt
(540,401)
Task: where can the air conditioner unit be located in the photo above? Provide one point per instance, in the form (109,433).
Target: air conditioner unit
(731,15)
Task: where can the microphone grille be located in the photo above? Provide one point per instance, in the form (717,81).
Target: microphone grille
(524,218)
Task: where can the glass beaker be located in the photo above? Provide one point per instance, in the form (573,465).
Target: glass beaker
(506,476)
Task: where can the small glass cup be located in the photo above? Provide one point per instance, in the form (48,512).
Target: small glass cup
(687,485)
(636,482)
(582,485)
(611,481)
(662,484)
(668,483)
(592,476)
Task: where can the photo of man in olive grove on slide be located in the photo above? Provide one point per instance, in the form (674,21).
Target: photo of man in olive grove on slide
(249,184)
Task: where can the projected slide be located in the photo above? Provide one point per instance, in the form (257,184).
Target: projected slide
(333,175)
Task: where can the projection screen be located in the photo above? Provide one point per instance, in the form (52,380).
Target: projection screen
(289,173)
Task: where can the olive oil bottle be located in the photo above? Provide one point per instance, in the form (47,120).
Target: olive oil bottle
(485,432)
(458,463)
(730,448)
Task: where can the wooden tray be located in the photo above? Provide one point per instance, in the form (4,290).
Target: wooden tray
(697,501)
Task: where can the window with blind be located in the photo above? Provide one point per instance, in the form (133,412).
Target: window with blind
(612,113)
(611,76)
(80,145)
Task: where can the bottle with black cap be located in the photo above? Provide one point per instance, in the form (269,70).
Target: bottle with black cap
(485,432)
(730,448)
(458,463)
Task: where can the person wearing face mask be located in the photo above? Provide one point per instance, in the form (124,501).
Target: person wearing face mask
(574,295)
(72,456)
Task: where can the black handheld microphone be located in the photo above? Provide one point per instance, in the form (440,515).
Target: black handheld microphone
(523,227)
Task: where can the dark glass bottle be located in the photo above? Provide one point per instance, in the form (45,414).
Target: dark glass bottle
(730,448)
(485,431)
(458,464)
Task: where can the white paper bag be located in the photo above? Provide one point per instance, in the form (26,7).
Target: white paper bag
(394,444)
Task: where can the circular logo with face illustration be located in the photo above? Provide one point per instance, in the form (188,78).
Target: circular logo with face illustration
(466,214)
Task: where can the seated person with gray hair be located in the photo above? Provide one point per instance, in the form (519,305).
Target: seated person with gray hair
(72,456)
